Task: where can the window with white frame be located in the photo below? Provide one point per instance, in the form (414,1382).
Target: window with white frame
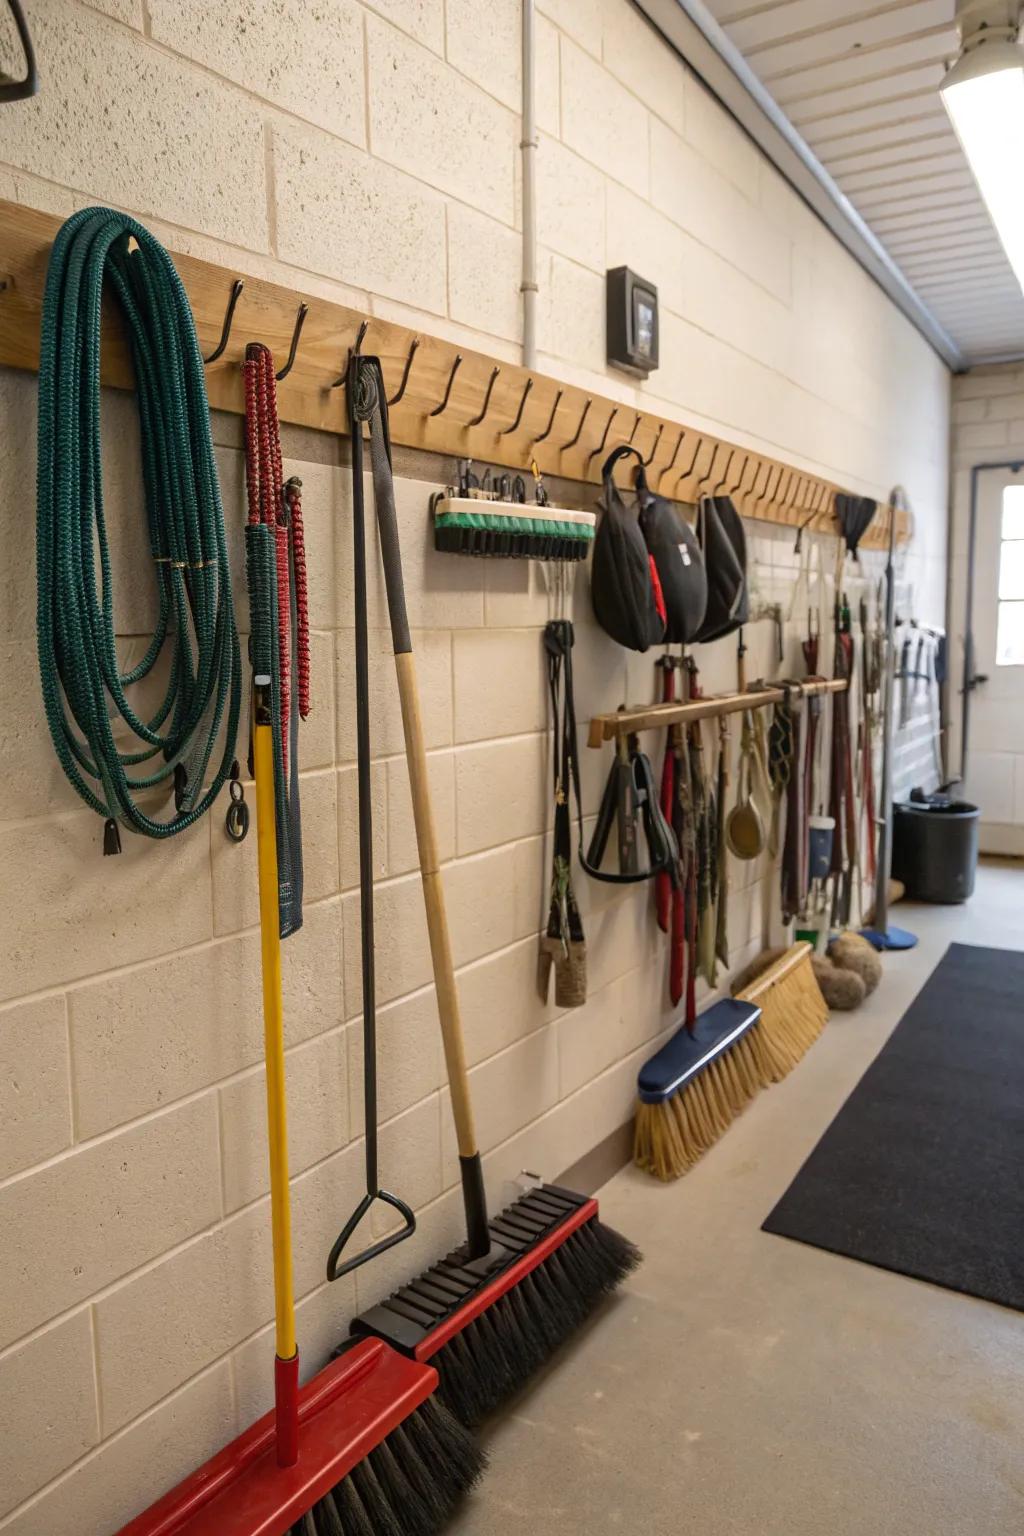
(1010,633)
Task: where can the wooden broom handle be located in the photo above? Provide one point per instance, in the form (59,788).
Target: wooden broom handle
(433,897)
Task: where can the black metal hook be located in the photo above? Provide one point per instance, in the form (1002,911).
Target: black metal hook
(720,485)
(672,460)
(300,320)
(636,423)
(507,431)
(487,400)
(733,490)
(688,471)
(440,409)
(657,439)
(414,347)
(229,315)
(551,421)
(604,436)
(342,378)
(706,479)
(575,439)
(771,495)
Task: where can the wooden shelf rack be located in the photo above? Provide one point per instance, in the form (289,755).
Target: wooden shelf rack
(654,717)
(450,400)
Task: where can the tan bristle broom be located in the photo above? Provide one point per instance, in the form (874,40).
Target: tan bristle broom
(689,1094)
(793,1011)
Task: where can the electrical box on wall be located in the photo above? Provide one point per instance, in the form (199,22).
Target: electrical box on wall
(632,322)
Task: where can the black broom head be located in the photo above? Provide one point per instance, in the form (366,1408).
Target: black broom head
(518,1309)
(407,1486)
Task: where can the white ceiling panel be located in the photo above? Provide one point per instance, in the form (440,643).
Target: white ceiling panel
(860,83)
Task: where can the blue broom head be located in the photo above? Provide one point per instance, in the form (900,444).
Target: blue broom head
(685,1056)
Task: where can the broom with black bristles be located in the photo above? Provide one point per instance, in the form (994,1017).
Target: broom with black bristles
(496,1308)
(363,1449)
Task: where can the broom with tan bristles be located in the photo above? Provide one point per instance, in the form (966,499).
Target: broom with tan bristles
(691,1091)
(793,1011)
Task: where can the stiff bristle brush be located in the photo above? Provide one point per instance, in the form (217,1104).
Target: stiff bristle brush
(473,525)
(793,1010)
(691,1091)
(494,1310)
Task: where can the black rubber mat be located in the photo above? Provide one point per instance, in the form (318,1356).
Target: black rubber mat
(922,1170)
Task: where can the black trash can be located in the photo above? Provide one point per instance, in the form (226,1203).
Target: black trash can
(935,847)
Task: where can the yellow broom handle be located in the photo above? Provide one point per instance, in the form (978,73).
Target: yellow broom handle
(273,1033)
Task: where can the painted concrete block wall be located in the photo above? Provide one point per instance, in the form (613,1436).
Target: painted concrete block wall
(366,153)
(988,427)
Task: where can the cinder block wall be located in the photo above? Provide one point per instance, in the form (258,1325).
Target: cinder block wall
(367,153)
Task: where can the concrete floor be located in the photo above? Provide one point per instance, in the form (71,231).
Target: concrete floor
(746,1384)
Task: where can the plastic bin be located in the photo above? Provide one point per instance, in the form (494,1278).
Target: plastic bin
(935,847)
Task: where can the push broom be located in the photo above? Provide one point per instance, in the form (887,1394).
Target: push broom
(690,1091)
(364,1447)
(496,1308)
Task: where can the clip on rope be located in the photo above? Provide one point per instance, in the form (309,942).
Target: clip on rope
(85,693)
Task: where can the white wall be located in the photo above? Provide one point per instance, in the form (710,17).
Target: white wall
(366,153)
(988,427)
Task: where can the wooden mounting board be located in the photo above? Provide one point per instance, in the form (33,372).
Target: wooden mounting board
(762,487)
(655,717)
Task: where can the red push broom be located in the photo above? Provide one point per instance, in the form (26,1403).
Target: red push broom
(363,1448)
(490,1313)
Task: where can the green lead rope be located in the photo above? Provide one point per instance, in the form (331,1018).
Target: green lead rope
(84,690)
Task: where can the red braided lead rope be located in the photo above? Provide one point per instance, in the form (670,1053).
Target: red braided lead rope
(293,500)
(280,508)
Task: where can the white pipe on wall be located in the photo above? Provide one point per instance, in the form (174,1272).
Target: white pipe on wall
(528,145)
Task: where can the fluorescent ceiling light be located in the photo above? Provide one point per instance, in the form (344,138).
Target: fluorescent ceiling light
(984,96)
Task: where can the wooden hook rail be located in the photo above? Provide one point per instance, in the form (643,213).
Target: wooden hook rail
(453,402)
(653,717)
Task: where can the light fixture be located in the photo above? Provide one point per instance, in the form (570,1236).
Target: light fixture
(984,95)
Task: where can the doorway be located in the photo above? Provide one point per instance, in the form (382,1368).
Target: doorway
(993,726)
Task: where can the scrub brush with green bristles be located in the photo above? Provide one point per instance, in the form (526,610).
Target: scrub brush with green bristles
(510,530)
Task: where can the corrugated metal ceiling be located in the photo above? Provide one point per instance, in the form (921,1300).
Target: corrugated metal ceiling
(860,83)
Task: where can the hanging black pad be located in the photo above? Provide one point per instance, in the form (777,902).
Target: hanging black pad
(672,544)
(724,543)
(621,584)
(854,514)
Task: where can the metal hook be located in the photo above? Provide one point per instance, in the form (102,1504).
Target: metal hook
(706,479)
(440,409)
(771,496)
(675,455)
(636,423)
(721,484)
(574,440)
(604,436)
(507,431)
(551,421)
(688,471)
(487,400)
(782,501)
(229,315)
(341,381)
(657,439)
(414,347)
(757,473)
(734,490)
(300,320)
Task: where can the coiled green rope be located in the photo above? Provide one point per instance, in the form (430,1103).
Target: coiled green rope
(83,687)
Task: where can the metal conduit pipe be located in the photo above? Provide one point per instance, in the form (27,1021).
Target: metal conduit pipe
(528,147)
